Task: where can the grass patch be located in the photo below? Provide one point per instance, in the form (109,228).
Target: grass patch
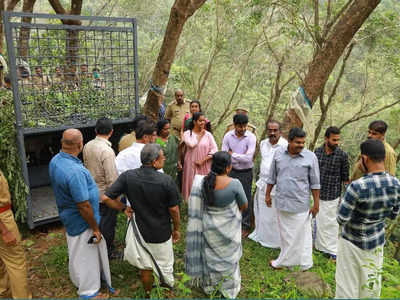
(258,279)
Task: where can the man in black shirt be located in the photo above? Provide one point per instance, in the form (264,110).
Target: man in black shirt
(334,171)
(154,198)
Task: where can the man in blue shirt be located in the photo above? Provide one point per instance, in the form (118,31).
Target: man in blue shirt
(295,172)
(367,202)
(77,198)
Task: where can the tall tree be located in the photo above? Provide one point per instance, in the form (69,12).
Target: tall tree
(341,30)
(25,32)
(181,11)
(72,41)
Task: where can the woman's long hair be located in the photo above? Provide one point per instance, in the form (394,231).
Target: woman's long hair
(221,160)
(195,117)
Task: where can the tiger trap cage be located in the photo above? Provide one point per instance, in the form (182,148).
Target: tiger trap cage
(66,71)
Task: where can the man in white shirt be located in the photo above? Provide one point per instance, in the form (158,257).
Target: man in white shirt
(129,158)
(266,232)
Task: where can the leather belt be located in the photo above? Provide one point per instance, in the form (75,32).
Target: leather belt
(5,208)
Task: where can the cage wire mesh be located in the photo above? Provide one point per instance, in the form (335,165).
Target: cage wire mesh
(71,75)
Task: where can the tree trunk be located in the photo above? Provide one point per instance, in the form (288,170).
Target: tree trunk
(180,13)
(25,32)
(72,41)
(326,58)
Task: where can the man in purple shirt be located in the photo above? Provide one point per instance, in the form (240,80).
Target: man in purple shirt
(241,144)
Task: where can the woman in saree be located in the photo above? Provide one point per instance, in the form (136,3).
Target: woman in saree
(200,146)
(214,231)
(169,144)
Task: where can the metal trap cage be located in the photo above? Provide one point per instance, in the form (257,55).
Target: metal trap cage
(66,71)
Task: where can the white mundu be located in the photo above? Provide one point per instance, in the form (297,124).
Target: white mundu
(327,227)
(266,232)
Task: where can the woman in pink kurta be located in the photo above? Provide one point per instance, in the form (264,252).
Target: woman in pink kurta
(200,146)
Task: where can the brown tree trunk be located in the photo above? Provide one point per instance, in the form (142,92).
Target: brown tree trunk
(25,32)
(326,58)
(72,41)
(181,11)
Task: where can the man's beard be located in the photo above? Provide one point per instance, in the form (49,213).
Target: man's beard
(331,146)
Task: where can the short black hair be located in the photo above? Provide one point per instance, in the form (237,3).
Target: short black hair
(104,126)
(296,133)
(374,149)
(136,121)
(240,119)
(379,126)
(160,125)
(331,130)
(145,128)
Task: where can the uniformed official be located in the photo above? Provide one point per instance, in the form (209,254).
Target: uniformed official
(176,111)
(13,273)
(250,127)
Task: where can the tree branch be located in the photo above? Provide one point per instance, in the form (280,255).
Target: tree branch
(193,6)
(355,119)
(76,7)
(57,6)
(12,4)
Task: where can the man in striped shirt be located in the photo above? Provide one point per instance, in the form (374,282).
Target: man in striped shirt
(367,202)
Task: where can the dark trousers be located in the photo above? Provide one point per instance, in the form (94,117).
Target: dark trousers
(246,179)
(108,221)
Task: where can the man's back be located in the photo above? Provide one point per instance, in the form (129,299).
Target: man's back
(150,193)
(99,159)
(367,202)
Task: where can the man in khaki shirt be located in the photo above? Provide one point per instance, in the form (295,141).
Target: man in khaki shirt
(13,272)
(176,111)
(377,130)
(99,159)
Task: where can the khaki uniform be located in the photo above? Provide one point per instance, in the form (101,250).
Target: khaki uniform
(126,141)
(13,272)
(390,163)
(176,113)
(40,82)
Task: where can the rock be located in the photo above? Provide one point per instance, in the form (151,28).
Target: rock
(310,284)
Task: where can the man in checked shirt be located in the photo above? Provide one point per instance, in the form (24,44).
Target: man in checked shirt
(334,171)
(366,204)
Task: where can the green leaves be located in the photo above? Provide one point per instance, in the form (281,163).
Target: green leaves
(10,163)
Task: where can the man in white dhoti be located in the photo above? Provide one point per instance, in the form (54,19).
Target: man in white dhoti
(154,198)
(267,232)
(334,171)
(294,170)
(77,198)
(366,204)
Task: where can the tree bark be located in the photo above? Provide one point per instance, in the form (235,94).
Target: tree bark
(326,58)
(181,11)
(72,41)
(25,32)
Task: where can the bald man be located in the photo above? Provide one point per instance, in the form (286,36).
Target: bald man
(77,198)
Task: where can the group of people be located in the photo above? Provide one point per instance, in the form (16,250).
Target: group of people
(143,182)
(57,78)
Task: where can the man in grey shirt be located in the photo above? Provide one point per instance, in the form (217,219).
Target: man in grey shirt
(295,172)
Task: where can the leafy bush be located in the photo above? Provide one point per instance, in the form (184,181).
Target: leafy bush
(10,162)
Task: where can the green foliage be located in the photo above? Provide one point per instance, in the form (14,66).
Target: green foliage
(10,162)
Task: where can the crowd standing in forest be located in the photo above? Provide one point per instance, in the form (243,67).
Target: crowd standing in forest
(144,180)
